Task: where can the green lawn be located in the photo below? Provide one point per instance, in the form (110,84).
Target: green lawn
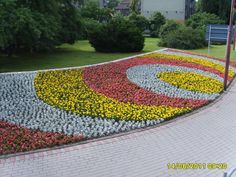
(81,53)
(216,51)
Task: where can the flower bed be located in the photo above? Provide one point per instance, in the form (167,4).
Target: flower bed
(192,81)
(17,139)
(90,102)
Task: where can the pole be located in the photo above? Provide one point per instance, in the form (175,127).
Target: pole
(234,35)
(209,40)
(228,48)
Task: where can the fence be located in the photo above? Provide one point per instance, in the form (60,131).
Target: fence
(217,33)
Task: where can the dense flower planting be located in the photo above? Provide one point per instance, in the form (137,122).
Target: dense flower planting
(203,61)
(16,139)
(118,86)
(161,87)
(192,81)
(62,106)
(67,90)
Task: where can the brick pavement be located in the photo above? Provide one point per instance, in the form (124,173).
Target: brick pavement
(203,137)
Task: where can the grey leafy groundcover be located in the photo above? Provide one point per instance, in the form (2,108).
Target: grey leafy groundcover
(20,105)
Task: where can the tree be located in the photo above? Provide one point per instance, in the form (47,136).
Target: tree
(168,27)
(224,10)
(26,30)
(70,23)
(200,20)
(184,38)
(139,21)
(92,11)
(134,6)
(88,25)
(79,2)
(118,35)
(198,6)
(220,8)
(156,21)
(113,3)
(210,6)
(36,25)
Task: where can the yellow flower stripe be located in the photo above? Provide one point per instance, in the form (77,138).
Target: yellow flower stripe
(67,90)
(203,62)
(192,81)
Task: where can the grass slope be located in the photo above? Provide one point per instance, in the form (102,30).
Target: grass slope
(81,53)
(216,51)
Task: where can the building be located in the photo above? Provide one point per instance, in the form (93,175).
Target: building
(172,9)
(124,7)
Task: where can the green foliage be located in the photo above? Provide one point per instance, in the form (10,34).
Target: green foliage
(79,2)
(92,11)
(36,25)
(184,38)
(134,6)
(42,6)
(210,6)
(200,20)
(224,10)
(174,35)
(156,21)
(88,25)
(198,6)
(70,24)
(220,8)
(139,21)
(118,35)
(113,3)
(92,17)
(27,29)
(67,56)
(168,27)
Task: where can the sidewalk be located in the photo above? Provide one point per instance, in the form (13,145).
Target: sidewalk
(204,137)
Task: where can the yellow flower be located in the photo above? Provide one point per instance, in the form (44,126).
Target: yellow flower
(200,61)
(67,90)
(192,81)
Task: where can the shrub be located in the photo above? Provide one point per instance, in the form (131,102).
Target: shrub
(118,35)
(184,38)
(168,27)
(200,20)
(88,25)
(140,21)
(156,21)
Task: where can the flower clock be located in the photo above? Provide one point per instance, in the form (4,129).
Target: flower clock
(47,108)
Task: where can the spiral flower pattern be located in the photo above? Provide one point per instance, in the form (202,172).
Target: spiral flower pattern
(104,99)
